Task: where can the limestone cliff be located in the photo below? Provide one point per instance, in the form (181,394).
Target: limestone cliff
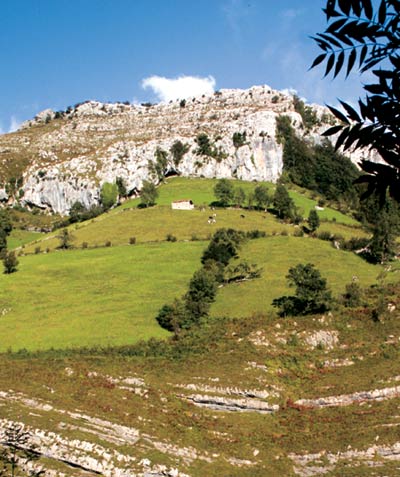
(65,157)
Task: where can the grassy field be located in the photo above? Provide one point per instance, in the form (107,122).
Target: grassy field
(107,296)
(153,224)
(201,192)
(19,237)
(246,298)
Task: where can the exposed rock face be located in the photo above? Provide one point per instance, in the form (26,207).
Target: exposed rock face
(67,159)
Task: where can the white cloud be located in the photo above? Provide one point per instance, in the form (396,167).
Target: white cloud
(168,89)
(14,124)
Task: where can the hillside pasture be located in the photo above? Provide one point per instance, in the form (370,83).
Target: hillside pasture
(201,192)
(92,297)
(276,255)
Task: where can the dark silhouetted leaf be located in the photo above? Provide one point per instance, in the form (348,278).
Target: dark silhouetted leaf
(345,6)
(319,59)
(336,25)
(331,131)
(339,63)
(368,9)
(382,12)
(338,114)
(351,112)
(356,7)
(330,63)
(363,54)
(351,61)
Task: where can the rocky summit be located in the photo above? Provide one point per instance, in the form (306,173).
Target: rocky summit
(59,158)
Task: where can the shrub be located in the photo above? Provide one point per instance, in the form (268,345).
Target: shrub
(298,232)
(312,295)
(170,238)
(132,240)
(325,235)
(223,246)
(352,295)
(37,250)
(224,192)
(239,139)
(108,194)
(108,243)
(10,262)
(255,234)
(148,194)
(84,245)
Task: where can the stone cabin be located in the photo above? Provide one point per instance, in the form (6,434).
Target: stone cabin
(184,204)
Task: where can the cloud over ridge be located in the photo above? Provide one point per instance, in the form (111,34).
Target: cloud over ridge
(167,89)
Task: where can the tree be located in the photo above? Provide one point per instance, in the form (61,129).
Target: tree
(201,293)
(65,238)
(223,246)
(358,30)
(261,196)
(108,194)
(178,150)
(239,196)
(313,220)
(173,317)
(239,139)
(224,192)
(204,145)
(148,194)
(312,295)
(10,262)
(283,204)
(158,168)
(17,452)
(122,191)
(5,228)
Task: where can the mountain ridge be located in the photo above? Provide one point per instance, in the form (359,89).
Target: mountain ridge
(59,158)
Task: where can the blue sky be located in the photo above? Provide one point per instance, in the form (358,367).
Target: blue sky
(55,53)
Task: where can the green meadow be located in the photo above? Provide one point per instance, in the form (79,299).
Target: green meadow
(119,225)
(276,255)
(97,295)
(102,297)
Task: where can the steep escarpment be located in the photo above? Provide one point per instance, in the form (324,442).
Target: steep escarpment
(57,159)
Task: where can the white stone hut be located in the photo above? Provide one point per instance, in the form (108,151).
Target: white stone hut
(184,204)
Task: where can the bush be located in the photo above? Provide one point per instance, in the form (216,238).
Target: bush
(108,194)
(312,295)
(255,234)
(352,296)
(224,192)
(170,238)
(37,250)
(10,262)
(108,243)
(325,235)
(223,246)
(132,240)
(148,194)
(84,245)
(298,232)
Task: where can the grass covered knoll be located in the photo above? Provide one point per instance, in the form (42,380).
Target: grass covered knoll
(99,297)
(276,255)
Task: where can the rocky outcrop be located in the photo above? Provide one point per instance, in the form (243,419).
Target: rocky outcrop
(66,157)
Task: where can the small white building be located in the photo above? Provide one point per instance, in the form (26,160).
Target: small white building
(184,204)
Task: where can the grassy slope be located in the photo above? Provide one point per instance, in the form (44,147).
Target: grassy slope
(92,297)
(243,299)
(153,224)
(201,193)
